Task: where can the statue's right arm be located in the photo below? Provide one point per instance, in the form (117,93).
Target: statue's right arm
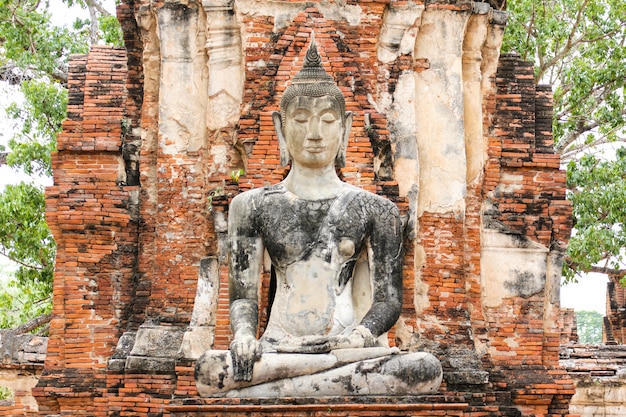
(244,269)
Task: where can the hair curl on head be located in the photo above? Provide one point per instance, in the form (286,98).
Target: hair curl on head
(312,81)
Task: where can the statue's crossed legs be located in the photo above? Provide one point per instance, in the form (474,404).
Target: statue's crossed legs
(365,371)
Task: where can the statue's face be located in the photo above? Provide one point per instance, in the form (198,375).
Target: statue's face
(313,130)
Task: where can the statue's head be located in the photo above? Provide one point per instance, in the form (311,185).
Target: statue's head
(313,120)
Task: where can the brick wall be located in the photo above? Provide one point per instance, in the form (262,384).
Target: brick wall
(570,331)
(614,329)
(93,217)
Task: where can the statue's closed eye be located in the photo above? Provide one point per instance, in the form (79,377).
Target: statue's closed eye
(328,118)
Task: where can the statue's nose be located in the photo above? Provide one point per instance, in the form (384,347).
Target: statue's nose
(314,129)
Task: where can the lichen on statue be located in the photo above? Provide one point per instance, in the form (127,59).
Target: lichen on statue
(336,252)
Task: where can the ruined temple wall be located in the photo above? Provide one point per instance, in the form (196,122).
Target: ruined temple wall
(457,137)
(599,374)
(569,333)
(384,56)
(526,222)
(526,228)
(93,218)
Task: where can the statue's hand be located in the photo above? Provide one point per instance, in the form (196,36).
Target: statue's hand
(359,337)
(244,353)
(305,344)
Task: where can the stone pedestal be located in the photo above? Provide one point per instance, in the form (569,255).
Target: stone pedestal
(427,405)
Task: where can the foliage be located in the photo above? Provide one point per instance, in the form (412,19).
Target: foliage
(34,54)
(41,115)
(111,31)
(598,195)
(579,46)
(20,303)
(25,239)
(30,42)
(236,174)
(24,236)
(589,324)
(6,394)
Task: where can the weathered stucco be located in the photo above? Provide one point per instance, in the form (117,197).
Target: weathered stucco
(599,399)
(21,383)
(512,267)
(440,112)
(183,89)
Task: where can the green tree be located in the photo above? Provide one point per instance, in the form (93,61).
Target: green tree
(589,327)
(34,55)
(598,195)
(579,46)
(25,238)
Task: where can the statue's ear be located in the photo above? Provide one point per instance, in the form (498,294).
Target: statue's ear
(340,159)
(282,144)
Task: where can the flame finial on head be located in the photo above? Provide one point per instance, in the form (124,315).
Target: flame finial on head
(312,70)
(312,81)
(312,58)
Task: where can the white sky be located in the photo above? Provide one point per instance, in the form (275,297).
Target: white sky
(588,294)
(64,16)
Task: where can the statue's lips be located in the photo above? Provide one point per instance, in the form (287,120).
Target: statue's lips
(315,149)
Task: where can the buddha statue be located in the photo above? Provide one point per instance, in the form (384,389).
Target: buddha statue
(336,254)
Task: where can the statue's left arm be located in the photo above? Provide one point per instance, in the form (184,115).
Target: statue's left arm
(386,267)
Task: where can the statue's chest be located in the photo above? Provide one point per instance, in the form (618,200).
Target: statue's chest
(293,229)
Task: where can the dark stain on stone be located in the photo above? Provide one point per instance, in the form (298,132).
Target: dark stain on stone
(523,285)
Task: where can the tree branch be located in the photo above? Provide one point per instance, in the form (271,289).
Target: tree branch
(598,91)
(33,324)
(60,75)
(529,31)
(93,26)
(581,128)
(617,273)
(17,261)
(98,6)
(569,44)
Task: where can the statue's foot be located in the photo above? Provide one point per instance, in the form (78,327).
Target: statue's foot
(213,372)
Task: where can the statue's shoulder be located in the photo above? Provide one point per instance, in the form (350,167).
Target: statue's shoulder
(247,196)
(374,202)
(254,198)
